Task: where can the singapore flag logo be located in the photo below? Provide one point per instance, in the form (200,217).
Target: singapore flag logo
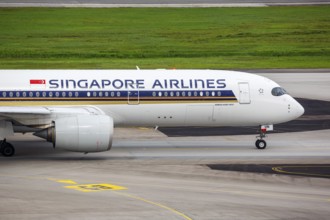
(37,83)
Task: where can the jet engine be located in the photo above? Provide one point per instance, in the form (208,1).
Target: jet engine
(80,133)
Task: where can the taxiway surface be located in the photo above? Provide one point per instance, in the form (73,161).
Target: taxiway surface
(148,175)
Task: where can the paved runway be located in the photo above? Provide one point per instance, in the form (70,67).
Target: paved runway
(148,175)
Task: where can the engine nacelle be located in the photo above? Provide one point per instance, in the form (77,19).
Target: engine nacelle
(80,133)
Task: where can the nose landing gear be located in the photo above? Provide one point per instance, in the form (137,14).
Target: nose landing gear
(261,143)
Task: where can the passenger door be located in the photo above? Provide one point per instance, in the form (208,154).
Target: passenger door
(244,93)
(133,97)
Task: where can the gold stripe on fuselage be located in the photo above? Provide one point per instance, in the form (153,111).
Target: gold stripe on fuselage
(108,102)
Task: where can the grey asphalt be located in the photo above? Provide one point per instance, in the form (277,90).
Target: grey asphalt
(170,177)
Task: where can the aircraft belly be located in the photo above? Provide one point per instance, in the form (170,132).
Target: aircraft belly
(181,115)
(199,115)
(146,114)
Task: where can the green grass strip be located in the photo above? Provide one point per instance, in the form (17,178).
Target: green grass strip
(213,38)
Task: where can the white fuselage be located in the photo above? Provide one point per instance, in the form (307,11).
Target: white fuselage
(150,97)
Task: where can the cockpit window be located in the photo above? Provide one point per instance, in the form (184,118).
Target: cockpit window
(278,91)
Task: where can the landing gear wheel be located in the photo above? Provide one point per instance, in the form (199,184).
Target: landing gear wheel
(261,144)
(7,150)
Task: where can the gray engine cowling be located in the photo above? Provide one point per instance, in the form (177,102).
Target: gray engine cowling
(80,133)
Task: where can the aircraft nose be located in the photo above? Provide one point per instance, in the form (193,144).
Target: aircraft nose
(298,109)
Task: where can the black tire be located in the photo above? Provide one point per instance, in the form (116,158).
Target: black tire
(261,144)
(257,143)
(7,150)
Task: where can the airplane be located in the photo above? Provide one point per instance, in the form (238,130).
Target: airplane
(77,110)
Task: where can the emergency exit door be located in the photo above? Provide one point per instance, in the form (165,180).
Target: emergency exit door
(133,97)
(244,93)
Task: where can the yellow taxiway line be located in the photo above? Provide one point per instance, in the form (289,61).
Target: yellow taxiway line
(106,186)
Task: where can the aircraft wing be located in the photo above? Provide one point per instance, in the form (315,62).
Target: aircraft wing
(39,115)
(4,110)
